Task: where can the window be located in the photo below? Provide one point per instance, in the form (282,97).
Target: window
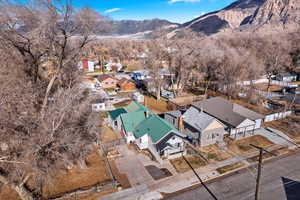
(116,123)
(212,136)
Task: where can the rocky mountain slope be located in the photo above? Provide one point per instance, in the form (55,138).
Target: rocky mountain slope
(231,17)
(277,12)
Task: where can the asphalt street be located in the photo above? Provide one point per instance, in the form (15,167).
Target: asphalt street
(280,181)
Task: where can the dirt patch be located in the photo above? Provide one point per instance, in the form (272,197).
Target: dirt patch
(181,166)
(6,193)
(157,106)
(264,87)
(228,168)
(242,147)
(78,178)
(290,126)
(108,135)
(121,178)
(214,154)
(158,173)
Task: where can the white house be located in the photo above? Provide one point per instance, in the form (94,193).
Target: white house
(112,66)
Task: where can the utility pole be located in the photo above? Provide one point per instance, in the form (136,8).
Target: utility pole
(259,167)
(202,183)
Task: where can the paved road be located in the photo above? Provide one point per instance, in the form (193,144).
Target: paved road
(242,186)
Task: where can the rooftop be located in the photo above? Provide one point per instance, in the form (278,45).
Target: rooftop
(155,127)
(230,113)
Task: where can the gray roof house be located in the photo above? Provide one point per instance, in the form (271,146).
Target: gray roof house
(240,121)
(200,128)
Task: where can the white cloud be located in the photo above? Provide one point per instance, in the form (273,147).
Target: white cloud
(175,1)
(112,10)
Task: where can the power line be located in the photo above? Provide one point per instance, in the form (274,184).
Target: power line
(261,151)
(202,183)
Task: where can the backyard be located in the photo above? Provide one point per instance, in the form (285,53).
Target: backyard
(158,106)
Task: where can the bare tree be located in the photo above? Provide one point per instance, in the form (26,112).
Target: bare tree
(46,119)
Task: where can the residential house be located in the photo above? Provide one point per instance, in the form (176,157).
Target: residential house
(240,121)
(286,77)
(91,83)
(138,97)
(98,105)
(140,75)
(139,125)
(200,128)
(125,119)
(126,85)
(159,137)
(112,66)
(107,81)
(87,65)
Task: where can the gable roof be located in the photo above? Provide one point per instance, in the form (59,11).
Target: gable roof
(114,114)
(132,119)
(229,113)
(103,77)
(197,119)
(156,127)
(122,81)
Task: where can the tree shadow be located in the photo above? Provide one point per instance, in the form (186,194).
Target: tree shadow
(292,188)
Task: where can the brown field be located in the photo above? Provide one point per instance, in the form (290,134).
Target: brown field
(181,166)
(78,178)
(68,181)
(242,147)
(231,167)
(108,135)
(214,153)
(290,126)
(264,87)
(157,106)
(6,193)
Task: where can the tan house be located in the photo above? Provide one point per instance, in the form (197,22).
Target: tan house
(126,85)
(107,81)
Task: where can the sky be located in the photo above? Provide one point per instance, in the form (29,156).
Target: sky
(173,10)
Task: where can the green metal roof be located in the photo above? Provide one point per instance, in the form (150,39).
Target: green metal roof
(155,127)
(116,113)
(132,119)
(134,106)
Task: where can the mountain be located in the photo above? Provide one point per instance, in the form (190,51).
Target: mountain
(127,27)
(230,17)
(277,12)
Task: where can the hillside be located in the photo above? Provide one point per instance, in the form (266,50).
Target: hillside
(126,27)
(231,17)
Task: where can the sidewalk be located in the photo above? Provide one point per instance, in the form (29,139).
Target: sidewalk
(275,136)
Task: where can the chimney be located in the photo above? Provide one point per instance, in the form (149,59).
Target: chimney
(180,123)
(146,114)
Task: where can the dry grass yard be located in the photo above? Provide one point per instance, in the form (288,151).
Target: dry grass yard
(231,167)
(214,154)
(72,180)
(242,147)
(157,106)
(108,135)
(181,166)
(290,126)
